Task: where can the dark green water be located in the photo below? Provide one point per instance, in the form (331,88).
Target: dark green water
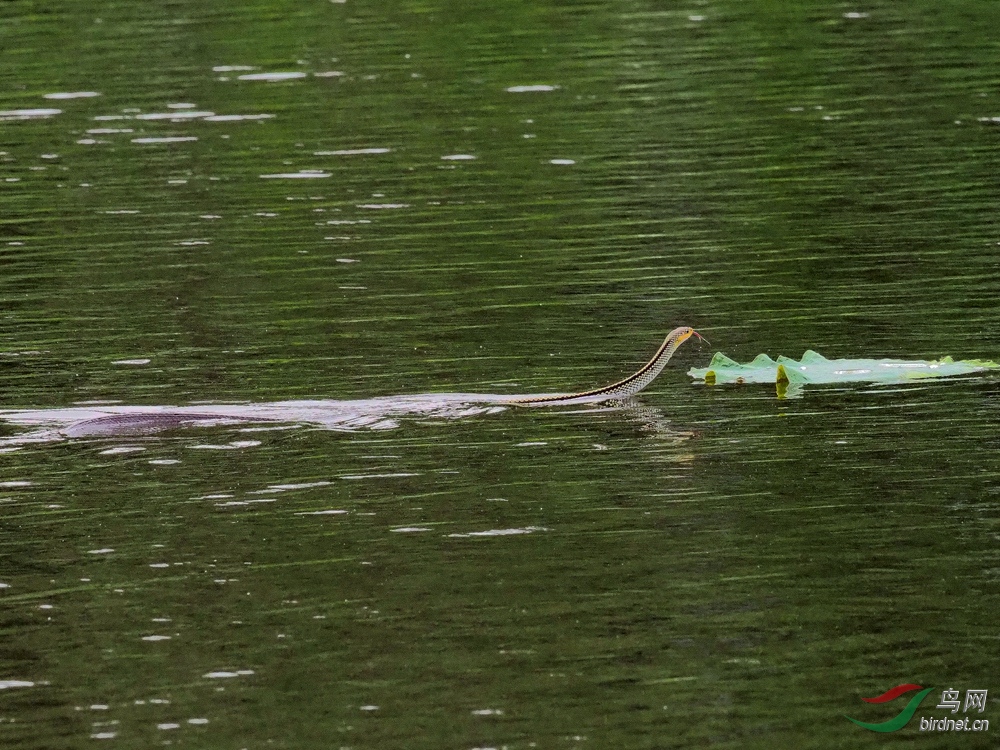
(715,568)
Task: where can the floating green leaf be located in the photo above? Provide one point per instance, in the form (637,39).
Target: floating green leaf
(815,368)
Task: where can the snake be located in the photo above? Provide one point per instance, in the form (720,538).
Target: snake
(628,387)
(376,413)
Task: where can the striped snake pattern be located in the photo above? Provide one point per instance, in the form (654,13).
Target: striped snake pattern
(631,385)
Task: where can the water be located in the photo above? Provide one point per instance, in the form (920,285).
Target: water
(711,567)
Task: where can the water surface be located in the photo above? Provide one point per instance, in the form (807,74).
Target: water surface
(208,204)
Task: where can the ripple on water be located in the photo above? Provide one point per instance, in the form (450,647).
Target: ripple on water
(352,152)
(166,139)
(72,95)
(304,174)
(28,114)
(273,488)
(500,532)
(379,476)
(277,76)
(531,88)
(175,116)
(237,118)
(121,449)
(234,445)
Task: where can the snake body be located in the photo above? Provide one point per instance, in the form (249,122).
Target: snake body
(100,421)
(623,388)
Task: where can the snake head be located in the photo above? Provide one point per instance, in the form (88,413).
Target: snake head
(682,334)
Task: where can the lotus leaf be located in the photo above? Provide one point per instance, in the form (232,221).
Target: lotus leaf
(815,368)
